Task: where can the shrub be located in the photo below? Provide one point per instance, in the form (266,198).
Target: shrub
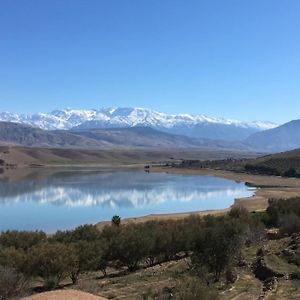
(254,228)
(21,239)
(12,283)
(289,223)
(50,261)
(261,169)
(131,246)
(284,214)
(290,173)
(13,259)
(295,275)
(88,233)
(217,245)
(86,256)
(192,289)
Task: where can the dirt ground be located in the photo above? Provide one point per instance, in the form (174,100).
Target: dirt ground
(64,295)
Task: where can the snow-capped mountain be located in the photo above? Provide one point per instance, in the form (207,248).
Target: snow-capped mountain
(186,124)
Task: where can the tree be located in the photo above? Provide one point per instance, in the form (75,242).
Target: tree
(50,261)
(116,220)
(13,259)
(21,239)
(12,283)
(131,246)
(87,233)
(291,172)
(86,256)
(216,246)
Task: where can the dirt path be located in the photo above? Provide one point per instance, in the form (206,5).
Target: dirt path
(64,295)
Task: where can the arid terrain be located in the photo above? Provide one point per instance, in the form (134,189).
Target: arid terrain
(64,295)
(25,156)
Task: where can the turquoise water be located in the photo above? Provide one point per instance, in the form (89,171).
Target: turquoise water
(64,200)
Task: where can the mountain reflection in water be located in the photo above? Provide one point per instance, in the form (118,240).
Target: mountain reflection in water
(64,199)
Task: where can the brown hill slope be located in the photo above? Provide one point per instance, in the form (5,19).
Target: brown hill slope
(57,156)
(25,135)
(135,137)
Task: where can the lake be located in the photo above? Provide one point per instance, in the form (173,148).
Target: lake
(64,199)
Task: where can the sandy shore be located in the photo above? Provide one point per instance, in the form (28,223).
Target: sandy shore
(268,187)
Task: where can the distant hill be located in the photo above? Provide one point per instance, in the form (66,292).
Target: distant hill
(282,138)
(104,157)
(197,126)
(285,164)
(135,137)
(19,134)
(149,137)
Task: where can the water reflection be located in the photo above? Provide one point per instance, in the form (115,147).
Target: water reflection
(63,199)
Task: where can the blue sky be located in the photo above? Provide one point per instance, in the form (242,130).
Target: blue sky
(233,58)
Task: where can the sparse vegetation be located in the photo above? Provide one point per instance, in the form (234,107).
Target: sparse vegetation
(212,247)
(284,214)
(214,242)
(286,164)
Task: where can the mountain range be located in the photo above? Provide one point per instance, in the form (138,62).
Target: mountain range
(141,127)
(108,138)
(197,126)
(281,138)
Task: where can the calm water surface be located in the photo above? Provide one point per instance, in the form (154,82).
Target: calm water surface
(66,199)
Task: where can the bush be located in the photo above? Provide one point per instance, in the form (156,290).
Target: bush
(262,169)
(254,228)
(214,242)
(289,223)
(88,233)
(12,283)
(295,275)
(50,261)
(14,259)
(21,239)
(131,246)
(217,245)
(192,289)
(290,173)
(284,214)
(86,256)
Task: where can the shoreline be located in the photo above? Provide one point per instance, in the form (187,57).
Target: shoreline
(267,187)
